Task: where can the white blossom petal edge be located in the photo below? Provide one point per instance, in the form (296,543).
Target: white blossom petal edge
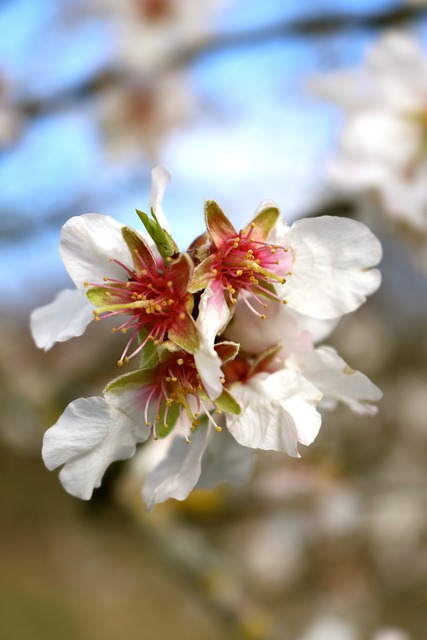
(67,316)
(278,411)
(336,380)
(332,271)
(177,474)
(88,437)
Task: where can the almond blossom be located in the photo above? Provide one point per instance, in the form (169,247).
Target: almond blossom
(321,267)
(384,141)
(224,367)
(97,252)
(167,391)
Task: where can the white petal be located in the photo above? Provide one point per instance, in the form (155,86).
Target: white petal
(178,472)
(67,316)
(317,328)
(213,314)
(256,335)
(225,461)
(278,411)
(336,380)
(87,244)
(331,273)
(160,177)
(88,437)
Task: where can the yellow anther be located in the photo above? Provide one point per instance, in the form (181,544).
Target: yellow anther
(235,245)
(123,331)
(285,301)
(113,330)
(120,363)
(263,316)
(127,285)
(239,272)
(283,280)
(169,283)
(86,283)
(265,305)
(233,300)
(126,359)
(96,316)
(180,361)
(182,316)
(222,380)
(215,272)
(148,424)
(218,411)
(218,429)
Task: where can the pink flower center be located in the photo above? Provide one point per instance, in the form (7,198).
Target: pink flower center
(244,264)
(149,298)
(176,381)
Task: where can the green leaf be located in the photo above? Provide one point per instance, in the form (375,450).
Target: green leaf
(162,239)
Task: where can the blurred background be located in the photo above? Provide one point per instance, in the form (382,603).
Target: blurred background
(93,94)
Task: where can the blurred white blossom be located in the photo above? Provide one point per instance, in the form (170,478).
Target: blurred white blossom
(383,145)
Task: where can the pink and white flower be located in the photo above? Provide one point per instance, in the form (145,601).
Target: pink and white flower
(116,273)
(321,267)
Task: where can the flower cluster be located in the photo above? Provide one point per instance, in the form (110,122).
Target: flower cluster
(223,337)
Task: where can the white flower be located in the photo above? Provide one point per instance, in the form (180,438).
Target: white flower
(321,267)
(384,142)
(92,248)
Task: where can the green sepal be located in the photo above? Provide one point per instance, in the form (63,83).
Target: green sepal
(102,297)
(150,352)
(219,226)
(227,402)
(140,377)
(264,359)
(138,247)
(202,274)
(163,428)
(268,290)
(184,332)
(162,239)
(263,223)
(227,350)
